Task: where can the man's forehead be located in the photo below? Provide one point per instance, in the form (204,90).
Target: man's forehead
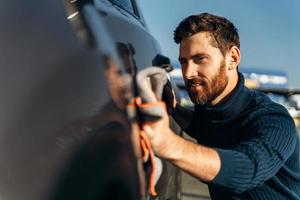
(198,43)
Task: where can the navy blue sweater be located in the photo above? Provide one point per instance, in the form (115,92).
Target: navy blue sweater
(257,142)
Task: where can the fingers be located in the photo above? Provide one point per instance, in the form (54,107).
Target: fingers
(148,130)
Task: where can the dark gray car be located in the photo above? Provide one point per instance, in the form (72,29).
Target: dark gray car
(64,130)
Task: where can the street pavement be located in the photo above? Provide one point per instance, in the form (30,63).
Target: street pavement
(193,189)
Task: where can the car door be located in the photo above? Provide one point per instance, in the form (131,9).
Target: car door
(63,132)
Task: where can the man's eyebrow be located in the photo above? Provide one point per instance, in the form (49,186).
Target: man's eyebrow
(193,56)
(198,55)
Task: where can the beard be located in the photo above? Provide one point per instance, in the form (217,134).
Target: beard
(207,90)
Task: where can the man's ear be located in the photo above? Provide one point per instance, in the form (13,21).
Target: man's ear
(234,57)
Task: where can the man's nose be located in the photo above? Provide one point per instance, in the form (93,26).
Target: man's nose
(190,71)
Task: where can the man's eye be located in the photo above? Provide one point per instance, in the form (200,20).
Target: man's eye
(199,59)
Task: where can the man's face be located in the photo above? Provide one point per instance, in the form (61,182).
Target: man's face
(203,68)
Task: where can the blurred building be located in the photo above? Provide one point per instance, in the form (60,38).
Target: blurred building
(263,78)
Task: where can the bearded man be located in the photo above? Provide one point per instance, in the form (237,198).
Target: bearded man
(247,146)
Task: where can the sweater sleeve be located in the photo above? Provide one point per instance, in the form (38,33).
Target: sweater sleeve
(257,159)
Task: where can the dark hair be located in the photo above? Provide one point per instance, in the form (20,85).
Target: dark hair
(224,33)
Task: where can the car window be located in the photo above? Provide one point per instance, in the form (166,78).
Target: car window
(127,5)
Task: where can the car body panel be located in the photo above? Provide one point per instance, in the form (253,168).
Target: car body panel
(51,87)
(60,99)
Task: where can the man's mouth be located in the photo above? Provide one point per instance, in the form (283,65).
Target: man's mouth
(194,88)
(194,84)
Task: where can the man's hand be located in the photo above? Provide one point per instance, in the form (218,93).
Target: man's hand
(157,133)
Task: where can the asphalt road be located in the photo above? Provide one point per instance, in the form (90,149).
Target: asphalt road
(192,189)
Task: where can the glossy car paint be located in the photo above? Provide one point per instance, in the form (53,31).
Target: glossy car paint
(63,132)
(54,98)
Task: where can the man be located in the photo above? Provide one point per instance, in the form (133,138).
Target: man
(248,146)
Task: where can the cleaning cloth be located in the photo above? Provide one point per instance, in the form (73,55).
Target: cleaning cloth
(150,83)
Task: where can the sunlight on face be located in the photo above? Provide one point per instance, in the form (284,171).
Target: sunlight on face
(203,68)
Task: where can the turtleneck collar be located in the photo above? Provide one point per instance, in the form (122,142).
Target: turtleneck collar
(231,106)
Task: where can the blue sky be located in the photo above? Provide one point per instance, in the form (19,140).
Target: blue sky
(269,29)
